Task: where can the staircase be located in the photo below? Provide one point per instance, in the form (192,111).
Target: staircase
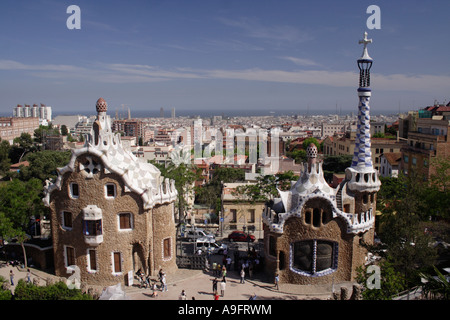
(339,196)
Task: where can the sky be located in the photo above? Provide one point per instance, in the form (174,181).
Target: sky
(222,55)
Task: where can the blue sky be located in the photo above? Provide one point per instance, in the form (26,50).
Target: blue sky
(221,55)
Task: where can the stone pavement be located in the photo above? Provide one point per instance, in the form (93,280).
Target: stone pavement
(198,284)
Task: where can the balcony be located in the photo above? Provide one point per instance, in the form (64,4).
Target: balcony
(92,225)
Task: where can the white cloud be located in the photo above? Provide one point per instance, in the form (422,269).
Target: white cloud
(301,61)
(14,65)
(279,33)
(135,73)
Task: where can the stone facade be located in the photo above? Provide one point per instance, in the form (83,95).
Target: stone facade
(110,214)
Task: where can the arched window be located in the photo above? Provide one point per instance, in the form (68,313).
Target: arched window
(314,257)
(316,217)
(365,198)
(308,216)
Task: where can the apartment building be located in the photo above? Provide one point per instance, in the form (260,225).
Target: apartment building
(428,142)
(12,127)
(129,127)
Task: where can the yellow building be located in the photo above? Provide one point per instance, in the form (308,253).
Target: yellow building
(239,213)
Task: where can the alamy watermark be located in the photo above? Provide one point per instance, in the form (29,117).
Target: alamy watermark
(74,281)
(230,146)
(74,20)
(374,21)
(374,280)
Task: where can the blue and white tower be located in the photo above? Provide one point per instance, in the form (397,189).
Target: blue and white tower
(362,175)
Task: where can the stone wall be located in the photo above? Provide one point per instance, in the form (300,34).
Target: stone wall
(164,230)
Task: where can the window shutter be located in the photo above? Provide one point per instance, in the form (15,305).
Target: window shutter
(117,262)
(167,248)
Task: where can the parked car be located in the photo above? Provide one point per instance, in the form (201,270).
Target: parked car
(193,234)
(207,244)
(241,236)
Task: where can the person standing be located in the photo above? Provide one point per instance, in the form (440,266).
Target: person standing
(183,295)
(242,274)
(28,276)
(160,276)
(277,279)
(11,277)
(164,283)
(222,288)
(228,263)
(224,273)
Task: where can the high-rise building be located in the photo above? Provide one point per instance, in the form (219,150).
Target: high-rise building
(173,113)
(161,112)
(44,113)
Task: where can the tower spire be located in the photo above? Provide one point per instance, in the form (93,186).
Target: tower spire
(361,173)
(362,157)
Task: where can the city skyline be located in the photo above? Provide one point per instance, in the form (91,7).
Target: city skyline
(221,55)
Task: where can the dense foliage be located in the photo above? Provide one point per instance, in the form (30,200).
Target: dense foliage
(57,291)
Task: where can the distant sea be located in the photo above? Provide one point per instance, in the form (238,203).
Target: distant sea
(214,112)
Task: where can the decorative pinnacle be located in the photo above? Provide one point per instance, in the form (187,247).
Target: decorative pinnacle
(365,41)
(364,64)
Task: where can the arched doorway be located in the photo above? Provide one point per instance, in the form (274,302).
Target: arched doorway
(138,258)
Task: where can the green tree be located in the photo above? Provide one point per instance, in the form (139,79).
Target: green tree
(266,187)
(57,291)
(335,164)
(184,176)
(19,201)
(42,131)
(43,164)
(4,294)
(64,130)
(437,193)
(401,230)
(392,190)
(21,146)
(210,193)
(227,175)
(299,155)
(435,286)
(5,162)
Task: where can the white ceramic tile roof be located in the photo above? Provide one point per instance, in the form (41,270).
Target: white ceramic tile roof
(139,177)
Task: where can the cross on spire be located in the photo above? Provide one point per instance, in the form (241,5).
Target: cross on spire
(365,41)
